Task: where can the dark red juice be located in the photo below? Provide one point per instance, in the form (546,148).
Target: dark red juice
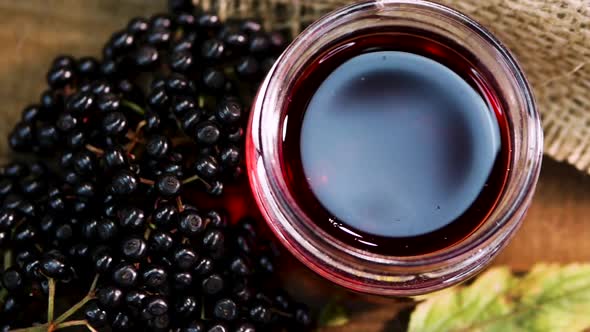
(395,143)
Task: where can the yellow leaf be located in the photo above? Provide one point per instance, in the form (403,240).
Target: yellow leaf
(550,298)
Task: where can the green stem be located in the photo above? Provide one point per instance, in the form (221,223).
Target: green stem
(201,101)
(16,226)
(229,71)
(7,259)
(59,322)
(133,106)
(203,309)
(74,323)
(51,301)
(195,178)
(73,309)
(78,305)
(93,285)
(191,179)
(3,293)
(38,328)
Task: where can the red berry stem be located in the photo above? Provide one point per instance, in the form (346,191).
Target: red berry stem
(134,141)
(146,181)
(94,149)
(179,204)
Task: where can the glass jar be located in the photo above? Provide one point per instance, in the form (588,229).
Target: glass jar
(364,271)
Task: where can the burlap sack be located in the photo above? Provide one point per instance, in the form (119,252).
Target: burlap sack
(551,39)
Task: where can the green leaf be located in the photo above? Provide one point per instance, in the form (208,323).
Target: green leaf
(550,298)
(333,315)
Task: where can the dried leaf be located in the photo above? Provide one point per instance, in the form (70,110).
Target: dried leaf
(550,298)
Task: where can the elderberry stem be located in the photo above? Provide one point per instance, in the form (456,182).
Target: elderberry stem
(191,179)
(3,293)
(229,71)
(179,204)
(132,136)
(281,313)
(146,181)
(74,309)
(7,259)
(133,106)
(134,139)
(146,234)
(140,125)
(38,328)
(178,33)
(80,304)
(74,323)
(94,149)
(196,178)
(51,301)
(203,309)
(93,285)
(181,140)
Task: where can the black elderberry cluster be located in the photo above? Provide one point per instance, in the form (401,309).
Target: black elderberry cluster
(97,225)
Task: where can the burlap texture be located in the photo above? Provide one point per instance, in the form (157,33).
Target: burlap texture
(551,39)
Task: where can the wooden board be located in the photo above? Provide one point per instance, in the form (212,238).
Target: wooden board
(32,32)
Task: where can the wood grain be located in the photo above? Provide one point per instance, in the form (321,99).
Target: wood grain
(32,32)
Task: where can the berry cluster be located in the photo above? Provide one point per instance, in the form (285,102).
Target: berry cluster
(116,149)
